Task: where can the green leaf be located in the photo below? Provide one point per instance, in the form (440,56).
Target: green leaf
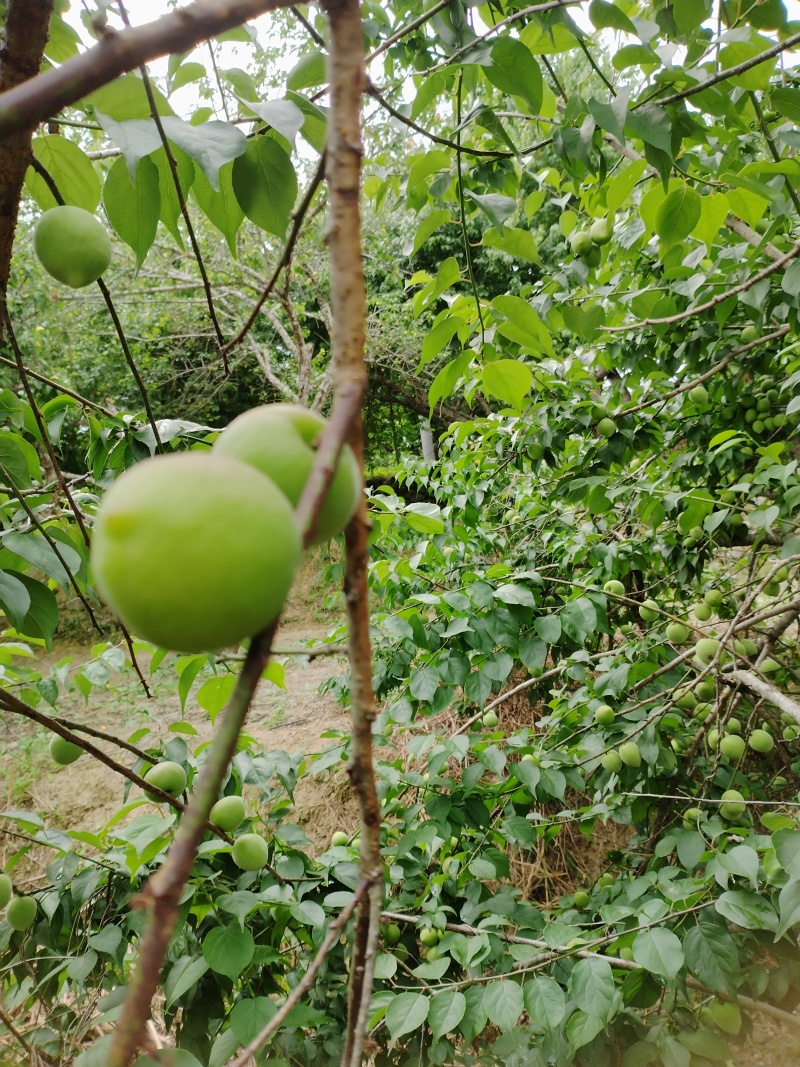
(788,907)
(524,327)
(183,976)
(126,98)
(514,242)
(282,115)
(578,619)
(495,207)
(407,1012)
(309,71)
(33,548)
(592,987)
(582,1028)
(429,225)
(508,380)
(514,71)
(545,1002)
(424,683)
(659,951)
(446,1012)
(652,124)
(15,599)
(42,617)
(787,102)
(133,209)
(71,170)
(228,950)
(678,215)
(436,338)
(170,204)
(548,627)
(605,16)
(250,1016)
(13,462)
(747,910)
(220,206)
(211,144)
(214,693)
(503,1003)
(265,185)
(711,956)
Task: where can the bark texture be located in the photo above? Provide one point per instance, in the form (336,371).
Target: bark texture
(25,35)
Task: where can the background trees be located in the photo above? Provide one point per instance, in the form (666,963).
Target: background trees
(616,481)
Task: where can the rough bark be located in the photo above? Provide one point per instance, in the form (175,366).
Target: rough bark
(26,31)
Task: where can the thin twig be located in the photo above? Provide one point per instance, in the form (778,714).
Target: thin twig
(305,982)
(176,181)
(409,27)
(720,298)
(25,106)
(60,388)
(286,256)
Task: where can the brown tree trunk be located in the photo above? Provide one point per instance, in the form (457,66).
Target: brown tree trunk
(26,30)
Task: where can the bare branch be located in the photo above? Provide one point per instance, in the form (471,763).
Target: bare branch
(27,105)
(768,692)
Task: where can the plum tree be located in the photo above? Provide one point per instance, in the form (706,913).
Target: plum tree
(62,751)
(72,245)
(227,813)
(195,551)
(169,776)
(21,913)
(250,852)
(280,441)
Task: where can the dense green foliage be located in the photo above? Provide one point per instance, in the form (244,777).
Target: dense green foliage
(595,511)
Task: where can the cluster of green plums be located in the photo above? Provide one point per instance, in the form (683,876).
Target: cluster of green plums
(197,551)
(586,244)
(20,912)
(761,407)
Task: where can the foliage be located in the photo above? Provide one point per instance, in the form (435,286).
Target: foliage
(497,637)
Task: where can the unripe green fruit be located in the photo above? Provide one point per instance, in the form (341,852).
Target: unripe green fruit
(6,890)
(702,612)
(779,782)
(733,726)
(614,587)
(789,733)
(339,838)
(21,913)
(604,715)
(769,665)
(432,953)
(733,746)
(772,588)
(735,519)
(606,880)
(713,597)
(580,898)
(580,242)
(727,496)
(762,404)
(627,628)
(72,245)
(705,690)
(195,551)
(677,633)
(535,451)
(702,711)
(169,776)
(687,701)
(761,741)
(745,647)
(699,395)
(781,574)
(690,818)
(734,805)
(779,420)
(706,648)
(727,1016)
(630,755)
(626,953)
(758,426)
(250,852)
(429,937)
(62,751)
(749,333)
(280,441)
(529,758)
(227,813)
(649,611)
(606,427)
(593,256)
(602,230)
(391,933)
(778,984)
(490,719)
(611,762)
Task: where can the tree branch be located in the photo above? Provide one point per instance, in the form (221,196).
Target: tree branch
(25,106)
(767,691)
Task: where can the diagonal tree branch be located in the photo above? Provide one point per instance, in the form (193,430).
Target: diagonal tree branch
(27,105)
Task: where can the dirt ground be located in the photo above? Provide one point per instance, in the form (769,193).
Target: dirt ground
(85,794)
